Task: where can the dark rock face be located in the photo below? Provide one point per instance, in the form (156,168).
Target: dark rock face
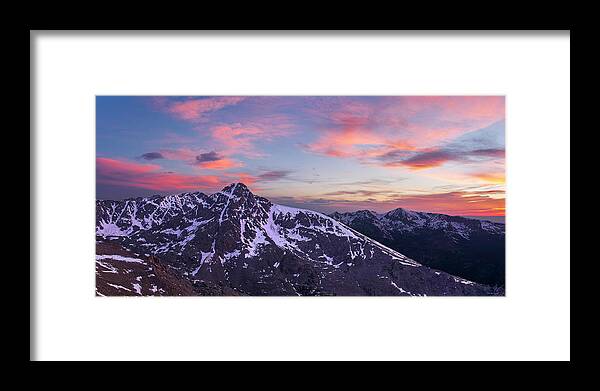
(121,272)
(233,242)
(471,249)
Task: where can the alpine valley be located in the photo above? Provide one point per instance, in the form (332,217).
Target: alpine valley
(236,243)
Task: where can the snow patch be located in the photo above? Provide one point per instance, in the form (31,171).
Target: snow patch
(120,258)
(204,257)
(463,281)
(400,289)
(232,254)
(109,268)
(119,287)
(110,229)
(137,288)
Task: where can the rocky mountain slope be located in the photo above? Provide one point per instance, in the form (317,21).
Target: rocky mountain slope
(235,241)
(472,249)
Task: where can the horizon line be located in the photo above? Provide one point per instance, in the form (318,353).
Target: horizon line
(335,211)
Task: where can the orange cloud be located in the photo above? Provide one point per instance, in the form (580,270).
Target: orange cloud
(222,164)
(460,203)
(457,203)
(491,177)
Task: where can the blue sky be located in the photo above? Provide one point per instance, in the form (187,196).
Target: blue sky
(438,154)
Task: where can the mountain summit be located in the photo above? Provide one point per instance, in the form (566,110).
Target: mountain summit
(238,189)
(234,242)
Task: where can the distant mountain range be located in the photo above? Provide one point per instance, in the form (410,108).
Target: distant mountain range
(469,248)
(493,219)
(236,243)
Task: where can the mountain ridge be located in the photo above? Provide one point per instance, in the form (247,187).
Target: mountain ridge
(469,248)
(248,244)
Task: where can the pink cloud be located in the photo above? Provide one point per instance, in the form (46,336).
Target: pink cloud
(364,130)
(182,154)
(350,131)
(236,137)
(242,138)
(120,172)
(150,176)
(194,109)
(113,166)
(428,120)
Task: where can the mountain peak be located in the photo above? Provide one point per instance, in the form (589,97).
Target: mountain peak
(237,188)
(397,212)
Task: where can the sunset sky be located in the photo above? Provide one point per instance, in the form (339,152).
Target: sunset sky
(435,154)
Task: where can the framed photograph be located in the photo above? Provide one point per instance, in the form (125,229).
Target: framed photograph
(300,195)
(264,196)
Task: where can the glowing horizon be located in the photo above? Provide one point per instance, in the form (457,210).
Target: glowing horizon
(427,153)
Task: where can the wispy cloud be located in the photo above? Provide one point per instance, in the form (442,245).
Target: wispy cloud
(120,172)
(386,127)
(462,203)
(425,159)
(457,203)
(221,164)
(243,138)
(193,109)
(273,175)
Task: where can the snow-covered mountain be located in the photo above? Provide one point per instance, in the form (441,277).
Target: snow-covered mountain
(234,242)
(472,249)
